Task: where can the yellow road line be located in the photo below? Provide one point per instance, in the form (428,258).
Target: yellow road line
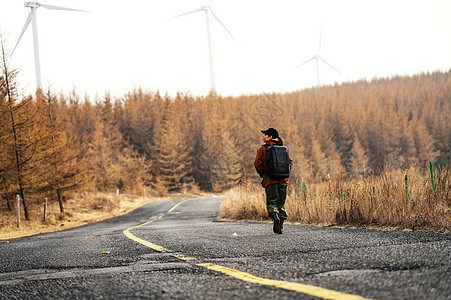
(128,234)
(155,247)
(292,286)
(183,257)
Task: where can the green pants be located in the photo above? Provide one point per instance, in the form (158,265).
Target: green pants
(276,194)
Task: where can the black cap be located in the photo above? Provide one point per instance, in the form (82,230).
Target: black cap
(271,132)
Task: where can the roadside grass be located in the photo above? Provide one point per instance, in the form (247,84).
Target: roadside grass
(83,208)
(375,202)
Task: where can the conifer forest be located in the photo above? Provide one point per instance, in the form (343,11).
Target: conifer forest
(53,145)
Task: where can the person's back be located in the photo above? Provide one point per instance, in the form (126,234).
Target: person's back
(275,188)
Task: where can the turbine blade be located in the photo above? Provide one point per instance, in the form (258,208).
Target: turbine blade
(223,26)
(190,12)
(60,8)
(27,22)
(307,61)
(333,67)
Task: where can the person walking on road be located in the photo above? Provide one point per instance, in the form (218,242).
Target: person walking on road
(275,189)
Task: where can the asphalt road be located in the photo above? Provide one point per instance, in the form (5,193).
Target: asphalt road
(186,254)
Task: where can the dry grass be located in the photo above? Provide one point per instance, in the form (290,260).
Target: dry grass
(82,209)
(344,202)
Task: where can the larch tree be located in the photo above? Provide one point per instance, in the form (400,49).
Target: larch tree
(424,143)
(207,147)
(135,170)
(330,149)
(342,136)
(227,169)
(19,121)
(302,170)
(319,161)
(406,142)
(103,170)
(7,157)
(171,163)
(141,120)
(359,159)
(377,142)
(64,172)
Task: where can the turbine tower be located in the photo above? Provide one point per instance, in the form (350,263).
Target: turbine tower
(32,18)
(207,10)
(317,58)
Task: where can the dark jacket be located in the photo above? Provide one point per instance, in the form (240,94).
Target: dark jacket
(260,164)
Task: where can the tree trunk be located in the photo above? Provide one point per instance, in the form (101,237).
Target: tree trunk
(60,200)
(52,126)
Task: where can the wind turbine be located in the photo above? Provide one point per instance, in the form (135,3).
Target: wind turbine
(207,10)
(317,58)
(32,18)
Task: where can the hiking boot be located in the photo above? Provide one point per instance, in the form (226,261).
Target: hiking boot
(281,226)
(276,227)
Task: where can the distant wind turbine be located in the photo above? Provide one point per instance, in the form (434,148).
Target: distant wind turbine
(32,18)
(208,9)
(317,57)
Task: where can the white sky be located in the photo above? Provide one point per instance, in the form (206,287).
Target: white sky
(121,45)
